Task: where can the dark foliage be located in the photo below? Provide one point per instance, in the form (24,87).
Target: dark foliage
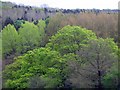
(8,21)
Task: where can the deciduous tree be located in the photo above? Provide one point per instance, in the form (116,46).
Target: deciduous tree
(9,40)
(95,60)
(28,37)
(70,38)
(43,63)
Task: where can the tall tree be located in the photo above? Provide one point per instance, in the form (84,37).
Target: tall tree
(28,37)
(95,60)
(9,39)
(8,21)
(41,26)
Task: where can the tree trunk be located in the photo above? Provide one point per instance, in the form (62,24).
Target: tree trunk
(99,72)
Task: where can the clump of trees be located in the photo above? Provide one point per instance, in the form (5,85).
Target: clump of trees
(73,58)
(104,25)
(28,37)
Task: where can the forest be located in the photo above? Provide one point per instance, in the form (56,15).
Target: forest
(56,48)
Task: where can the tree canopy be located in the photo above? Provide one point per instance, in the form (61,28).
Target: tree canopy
(43,62)
(9,39)
(73,58)
(28,37)
(70,38)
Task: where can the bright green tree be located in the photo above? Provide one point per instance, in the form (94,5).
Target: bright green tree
(28,37)
(41,63)
(9,39)
(70,38)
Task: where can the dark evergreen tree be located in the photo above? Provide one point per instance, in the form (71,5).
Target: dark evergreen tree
(36,22)
(32,19)
(8,21)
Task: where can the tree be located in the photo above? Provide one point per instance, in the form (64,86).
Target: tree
(41,63)
(32,19)
(8,21)
(18,23)
(25,16)
(95,60)
(9,39)
(47,20)
(41,26)
(70,38)
(28,37)
(36,22)
(111,79)
(37,82)
(54,24)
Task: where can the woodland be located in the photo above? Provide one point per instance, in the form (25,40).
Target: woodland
(59,48)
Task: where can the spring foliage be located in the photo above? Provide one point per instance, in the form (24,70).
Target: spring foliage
(70,38)
(40,62)
(9,39)
(71,48)
(28,37)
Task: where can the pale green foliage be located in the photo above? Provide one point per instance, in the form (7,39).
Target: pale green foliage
(41,62)
(41,26)
(106,49)
(9,39)
(70,38)
(28,37)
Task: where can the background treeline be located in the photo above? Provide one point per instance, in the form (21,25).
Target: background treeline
(88,18)
(103,22)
